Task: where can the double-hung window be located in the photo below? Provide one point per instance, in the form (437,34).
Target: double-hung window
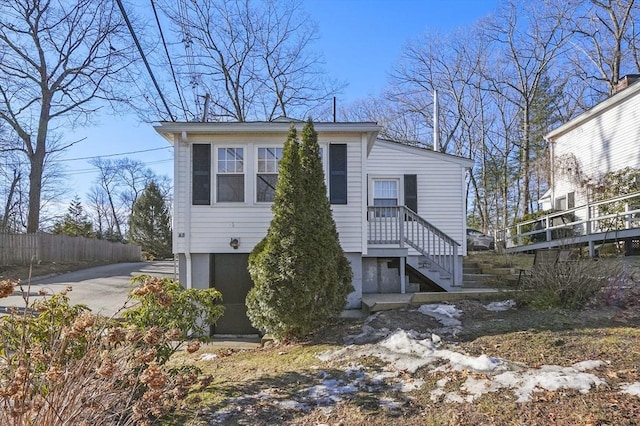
(267,176)
(385,194)
(230,175)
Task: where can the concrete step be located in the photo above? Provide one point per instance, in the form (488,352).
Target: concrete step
(387,302)
(422,298)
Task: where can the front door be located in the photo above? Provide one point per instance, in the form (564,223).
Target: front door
(232,279)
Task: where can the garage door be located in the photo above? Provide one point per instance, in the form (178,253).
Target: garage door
(232,279)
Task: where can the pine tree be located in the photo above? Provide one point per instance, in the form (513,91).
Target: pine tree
(150,223)
(328,269)
(75,223)
(300,273)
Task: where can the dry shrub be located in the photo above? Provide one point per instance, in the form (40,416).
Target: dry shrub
(60,364)
(569,285)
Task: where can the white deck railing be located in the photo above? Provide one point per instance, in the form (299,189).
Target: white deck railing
(400,226)
(602,217)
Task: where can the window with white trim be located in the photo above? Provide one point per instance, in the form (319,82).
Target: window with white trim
(385,194)
(230,175)
(267,175)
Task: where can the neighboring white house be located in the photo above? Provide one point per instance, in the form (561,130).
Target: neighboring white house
(604,139)
(224,176)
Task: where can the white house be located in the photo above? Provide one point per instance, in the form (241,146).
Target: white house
(400,210)
(604,139)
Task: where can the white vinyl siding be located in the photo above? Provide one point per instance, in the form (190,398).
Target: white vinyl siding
(605,142)
(440,183)
(213,226)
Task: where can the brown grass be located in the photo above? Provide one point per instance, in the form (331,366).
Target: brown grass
(256,386)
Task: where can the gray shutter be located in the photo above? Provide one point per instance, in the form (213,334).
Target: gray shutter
(411,192)
(201,179)
(338,173)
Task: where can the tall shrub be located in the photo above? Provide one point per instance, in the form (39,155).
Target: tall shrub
(328,264)
(300,273)
(150,223)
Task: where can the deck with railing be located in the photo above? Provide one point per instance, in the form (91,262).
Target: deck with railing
(399,226)
(614,219)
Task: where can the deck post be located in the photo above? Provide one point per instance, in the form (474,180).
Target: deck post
(548,233)
(403,275)
(401,225)
(627,216)
(455,266)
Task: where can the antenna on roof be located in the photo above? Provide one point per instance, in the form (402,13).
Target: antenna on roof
(206,107)
(334,109)
(436,131)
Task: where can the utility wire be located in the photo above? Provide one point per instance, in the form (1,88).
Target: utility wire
(183,15)
(112,155)
(94,156)
(144,58)
(96,170)
(166,50)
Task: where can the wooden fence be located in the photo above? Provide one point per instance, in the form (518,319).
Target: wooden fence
(21,249)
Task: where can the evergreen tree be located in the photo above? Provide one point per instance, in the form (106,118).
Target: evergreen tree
(75,223)
(300,273)
(328,270)
(150,223)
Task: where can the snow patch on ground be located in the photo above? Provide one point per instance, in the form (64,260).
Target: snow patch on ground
(522,383)
(447,315)
(632,389)
(403,353)
(504,305)
(208,357)
(406,351)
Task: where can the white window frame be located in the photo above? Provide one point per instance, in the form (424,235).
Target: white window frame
(242,173)
(258,172)
(372,192)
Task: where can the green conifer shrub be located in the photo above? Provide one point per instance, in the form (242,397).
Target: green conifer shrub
(150,223)
(300,272)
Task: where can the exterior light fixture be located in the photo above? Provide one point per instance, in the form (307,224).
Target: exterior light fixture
(234,243)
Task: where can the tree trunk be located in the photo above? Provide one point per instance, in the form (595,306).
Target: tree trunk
(525,166)
(7,208)
(35,189)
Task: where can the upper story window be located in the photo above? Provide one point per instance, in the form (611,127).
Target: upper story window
(230,175)
(267,176)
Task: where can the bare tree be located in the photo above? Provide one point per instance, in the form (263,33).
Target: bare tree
(529,38)
(118,186)
(252,59)
(607,42)
(57,60)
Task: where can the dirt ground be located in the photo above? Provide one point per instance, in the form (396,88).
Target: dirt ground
(277,384)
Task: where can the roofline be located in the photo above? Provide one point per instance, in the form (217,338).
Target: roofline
(169,128)
(600,108)
(466,162)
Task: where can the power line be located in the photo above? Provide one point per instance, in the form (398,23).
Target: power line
(7,164)
(96,170)
(111,155)
(144,58)
(166,50)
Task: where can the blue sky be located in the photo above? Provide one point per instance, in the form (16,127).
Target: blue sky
(361,41)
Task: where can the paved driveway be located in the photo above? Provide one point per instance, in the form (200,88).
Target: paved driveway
(104,289)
